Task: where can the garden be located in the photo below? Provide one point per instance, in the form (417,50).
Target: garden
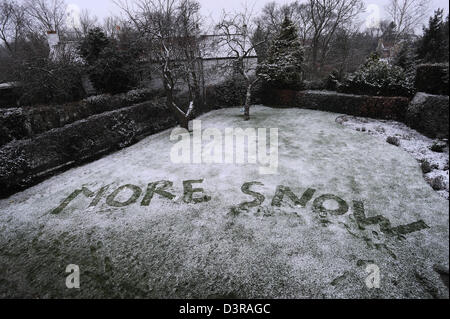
(304,165)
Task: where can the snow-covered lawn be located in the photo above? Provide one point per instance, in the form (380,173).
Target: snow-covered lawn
(171,249)
(419,146)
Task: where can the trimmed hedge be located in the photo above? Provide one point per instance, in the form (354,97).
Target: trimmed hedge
(432,78)
(8,98)
(392,108)
(428,114)
(13,125)
(37,142)
(230,93)
(27,122)
(20,123)
(26,162)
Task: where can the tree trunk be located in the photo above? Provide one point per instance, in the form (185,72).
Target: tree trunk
(197,98)
(182,119)
(248,99)
(315,50)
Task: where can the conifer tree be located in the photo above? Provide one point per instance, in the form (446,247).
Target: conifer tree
(406,57)
(282,67)
(433,47)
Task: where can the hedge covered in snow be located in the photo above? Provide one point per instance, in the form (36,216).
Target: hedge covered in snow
(393,108)
(36,142)
(19,123)
(25,162)
(428,114)
(229,93)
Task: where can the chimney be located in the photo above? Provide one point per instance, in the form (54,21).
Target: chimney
(52,38)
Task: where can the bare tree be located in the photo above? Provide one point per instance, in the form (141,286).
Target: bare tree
(318,21)
(235,32)
(86,22)
(273,15)
(407,15)
(326,17)
(189,25)
(13,25)
(349,49)
(170,27)
(50,15)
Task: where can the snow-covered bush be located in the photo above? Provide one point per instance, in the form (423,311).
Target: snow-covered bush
(378,77)
(126,128)
(111,102)
(138,95)
(97,99)
(282,68)
(314,85)
(14,161)
(12,125)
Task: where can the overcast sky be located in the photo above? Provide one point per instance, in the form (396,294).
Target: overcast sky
(213,8)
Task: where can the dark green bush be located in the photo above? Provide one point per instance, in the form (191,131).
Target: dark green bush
(432,78)
(231,92)
(50,81)
(94,43)
(114,71)
(112,66)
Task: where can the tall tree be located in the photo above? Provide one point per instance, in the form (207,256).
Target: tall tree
(406,57)
(407,15)
(170,28)
(433,46)
(86,23)
(283,66)
(272,16)
(93,44)
(235,31)
(318,22)
(327,16)
(14,25)
(49,15)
